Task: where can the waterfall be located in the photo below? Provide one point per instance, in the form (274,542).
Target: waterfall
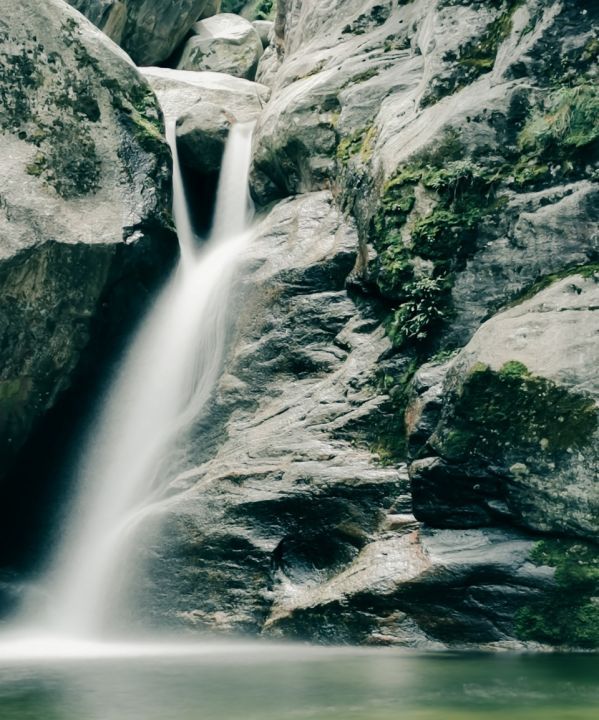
(165,379)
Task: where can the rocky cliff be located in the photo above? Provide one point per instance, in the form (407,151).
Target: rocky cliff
(446,367)
(402,448)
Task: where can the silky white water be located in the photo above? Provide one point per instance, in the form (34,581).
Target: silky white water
(166,378)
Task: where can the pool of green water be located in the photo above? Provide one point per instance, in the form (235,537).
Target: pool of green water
(302,684)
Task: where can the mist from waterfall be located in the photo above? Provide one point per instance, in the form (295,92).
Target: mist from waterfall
(164,382)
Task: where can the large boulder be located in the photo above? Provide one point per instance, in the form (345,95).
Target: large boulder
(223,43)
(420,588)
(85,208)
(149,30)
(518,437)
(205,105)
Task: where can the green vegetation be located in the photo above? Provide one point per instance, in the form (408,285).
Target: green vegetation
(359,143)
(568,615)
(586,271)
(417,262)
(478,56)
(419,255)
(560,138)
(509,415)
(251,9)
(388,435)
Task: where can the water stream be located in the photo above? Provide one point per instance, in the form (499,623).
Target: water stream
(167,376)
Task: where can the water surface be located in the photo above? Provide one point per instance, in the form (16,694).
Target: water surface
(294,683)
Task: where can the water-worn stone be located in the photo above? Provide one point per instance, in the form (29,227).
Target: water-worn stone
(519,430)
(223,43)
(84,205)
(149,30)
(288,488)
(421,589)
(205,105)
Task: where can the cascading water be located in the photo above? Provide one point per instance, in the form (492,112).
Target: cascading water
(165,380)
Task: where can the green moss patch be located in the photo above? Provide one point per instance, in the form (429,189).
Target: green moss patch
(513,416)
(55,110)
(586,271)
(416,265)
(560,138)
(387,436)
(568,615)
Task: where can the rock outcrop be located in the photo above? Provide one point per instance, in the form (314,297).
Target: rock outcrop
(205,105)
(460,137)
(223,43)
(518,438)
(288,490)
(149,30)
(84,206)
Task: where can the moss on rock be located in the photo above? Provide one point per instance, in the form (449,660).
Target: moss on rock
(560,139)
(475,57)
(416,265)
(510,416)
(569,614)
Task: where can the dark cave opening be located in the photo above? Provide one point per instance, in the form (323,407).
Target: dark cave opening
(200,191)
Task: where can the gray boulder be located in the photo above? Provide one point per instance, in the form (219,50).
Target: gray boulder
(149,30)
(205,106)
(223,43)
(85,209)
(519,430)
(264,28)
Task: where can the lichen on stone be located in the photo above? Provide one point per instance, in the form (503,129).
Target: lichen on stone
(475,57)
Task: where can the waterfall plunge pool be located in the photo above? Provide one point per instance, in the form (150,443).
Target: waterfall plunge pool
(178,681)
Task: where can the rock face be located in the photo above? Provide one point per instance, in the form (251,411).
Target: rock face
(518,436)
(432,122)
(84,209)
(291,526)
(224,43)
(205,105)
(435,126)
(421,290)
(149,30)
(294,491)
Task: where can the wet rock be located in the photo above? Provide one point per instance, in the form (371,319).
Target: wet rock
(517,438)
(424,404)
(84,211)
(223,43)
(287,486)
(423,588)
(149,30)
